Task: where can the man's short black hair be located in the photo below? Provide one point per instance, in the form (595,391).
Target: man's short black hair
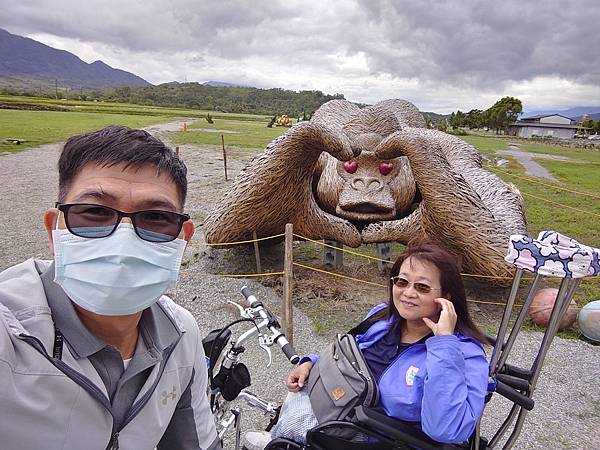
(119,145)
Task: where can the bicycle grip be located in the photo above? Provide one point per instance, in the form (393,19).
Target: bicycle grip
(290,353)
(250,298)
(508,392)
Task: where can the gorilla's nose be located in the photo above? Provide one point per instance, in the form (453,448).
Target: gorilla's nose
(366,184)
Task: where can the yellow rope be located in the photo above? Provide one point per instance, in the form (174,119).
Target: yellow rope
(391,262)
(338,275)
(560,204)
(490,303)
(239,275)
(553,186)
(343,249)
(382,285)
(202,244)
(336,248)
(251,274)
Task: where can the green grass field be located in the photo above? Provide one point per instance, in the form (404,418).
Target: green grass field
(44,127)
(579,187)
(250,135)
(124,108)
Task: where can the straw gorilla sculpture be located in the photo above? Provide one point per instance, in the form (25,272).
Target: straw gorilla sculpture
(374,175)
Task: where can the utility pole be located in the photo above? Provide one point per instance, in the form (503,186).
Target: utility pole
(56,88)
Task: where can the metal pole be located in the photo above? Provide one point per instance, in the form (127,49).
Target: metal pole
(288,278)
(224,156)
(504,323)
(256,253)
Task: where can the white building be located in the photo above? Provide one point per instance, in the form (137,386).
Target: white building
(552,125)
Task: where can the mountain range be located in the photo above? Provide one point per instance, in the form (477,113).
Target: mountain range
(576,113)
(28,63)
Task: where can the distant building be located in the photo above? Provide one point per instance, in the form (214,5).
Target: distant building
(552,125)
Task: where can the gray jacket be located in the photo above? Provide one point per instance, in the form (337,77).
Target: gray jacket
(52,403)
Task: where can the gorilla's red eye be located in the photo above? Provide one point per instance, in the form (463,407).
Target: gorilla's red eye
(351,166)
(385,168)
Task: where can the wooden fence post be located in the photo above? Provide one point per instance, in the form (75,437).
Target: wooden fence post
(288,278)
(177,151)
(224,156)
(256,253)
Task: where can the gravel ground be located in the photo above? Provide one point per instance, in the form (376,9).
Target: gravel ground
(567,411)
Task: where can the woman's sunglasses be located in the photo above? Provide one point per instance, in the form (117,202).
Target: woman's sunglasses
(421,288)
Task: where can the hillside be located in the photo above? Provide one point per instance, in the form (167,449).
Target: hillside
(224,99)
(25,63)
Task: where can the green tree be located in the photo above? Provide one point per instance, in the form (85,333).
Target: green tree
(504,112)
(457,119)
(474,119)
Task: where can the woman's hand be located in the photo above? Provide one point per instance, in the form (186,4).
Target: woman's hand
(447,321)
(297,376)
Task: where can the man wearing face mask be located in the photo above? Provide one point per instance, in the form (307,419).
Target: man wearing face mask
(92,354)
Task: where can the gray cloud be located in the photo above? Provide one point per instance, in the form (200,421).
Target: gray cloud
(427,47)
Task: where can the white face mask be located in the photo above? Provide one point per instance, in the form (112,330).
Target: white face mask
(116,275)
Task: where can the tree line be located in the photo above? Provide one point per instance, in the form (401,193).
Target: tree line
(498,117)
(247,100)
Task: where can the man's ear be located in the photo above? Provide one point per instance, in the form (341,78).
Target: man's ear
(188,230)
(50,218)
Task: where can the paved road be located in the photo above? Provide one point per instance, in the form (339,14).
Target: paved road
(531,167)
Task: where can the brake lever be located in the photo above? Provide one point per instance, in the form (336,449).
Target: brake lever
(265,341)
(241,309)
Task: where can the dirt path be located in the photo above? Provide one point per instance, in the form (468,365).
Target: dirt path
(531,167)
(567,411)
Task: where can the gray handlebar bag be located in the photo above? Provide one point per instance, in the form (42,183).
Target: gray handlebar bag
(340,381)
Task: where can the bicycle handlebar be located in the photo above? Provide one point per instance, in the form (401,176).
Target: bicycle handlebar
(270,322)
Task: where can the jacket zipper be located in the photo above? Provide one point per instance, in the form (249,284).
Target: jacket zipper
(137,407)
(396,359)
(114,442)
(80,380)
(91,388)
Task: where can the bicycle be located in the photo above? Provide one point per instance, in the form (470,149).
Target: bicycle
(233,377)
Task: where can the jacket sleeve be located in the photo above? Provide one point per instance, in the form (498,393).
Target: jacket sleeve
(192,426)
(454,389)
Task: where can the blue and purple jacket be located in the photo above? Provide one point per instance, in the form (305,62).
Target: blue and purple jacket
(441,383)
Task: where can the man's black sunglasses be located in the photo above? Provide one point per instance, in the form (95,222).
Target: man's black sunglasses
(98,221)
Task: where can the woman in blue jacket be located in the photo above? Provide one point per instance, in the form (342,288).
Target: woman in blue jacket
(423,348)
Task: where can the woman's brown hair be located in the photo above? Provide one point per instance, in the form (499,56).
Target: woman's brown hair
(451,284)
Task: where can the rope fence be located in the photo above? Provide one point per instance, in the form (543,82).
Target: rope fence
(553,186)
(560,204)
(339,275)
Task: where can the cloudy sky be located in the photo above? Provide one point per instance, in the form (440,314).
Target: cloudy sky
(441,55)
